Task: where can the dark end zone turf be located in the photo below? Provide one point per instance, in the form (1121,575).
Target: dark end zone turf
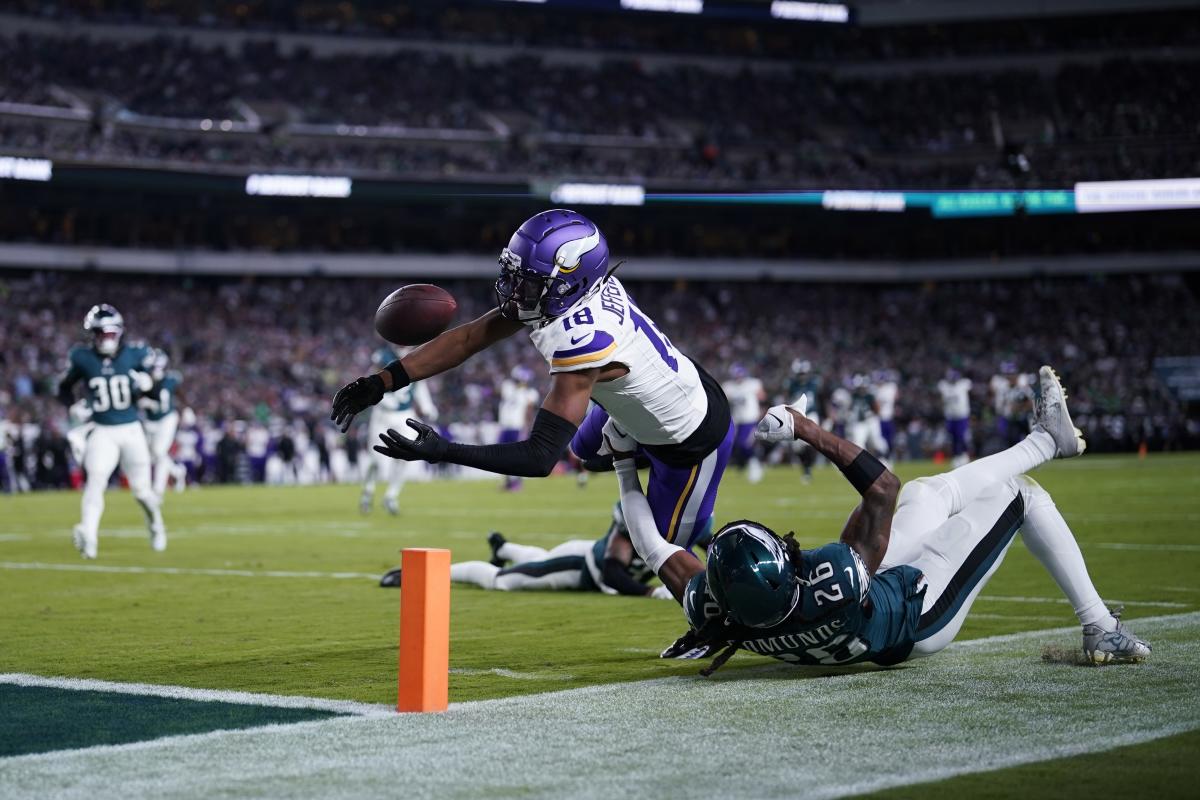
(40,719)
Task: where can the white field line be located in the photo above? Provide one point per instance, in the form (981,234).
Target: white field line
(202,695)
(235,573)
(1154,548)
(944,716)
(251,573)
(1001,598)
(515,675)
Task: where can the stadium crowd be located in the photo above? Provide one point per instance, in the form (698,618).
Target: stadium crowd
(482,21)
(262,357)
(993,127)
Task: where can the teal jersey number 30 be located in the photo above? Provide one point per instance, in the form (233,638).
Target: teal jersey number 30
(111,391)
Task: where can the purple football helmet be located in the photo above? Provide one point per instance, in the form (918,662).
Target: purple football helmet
(554,260)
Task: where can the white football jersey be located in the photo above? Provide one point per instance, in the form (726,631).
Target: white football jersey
(956,398)
(661,400)
(743,399)
(188,439)
(885,398)
(515,400)
(999,387)
(400,405)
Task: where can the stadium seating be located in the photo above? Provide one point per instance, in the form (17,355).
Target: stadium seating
(297,340)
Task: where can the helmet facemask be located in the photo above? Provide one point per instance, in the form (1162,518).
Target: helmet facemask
(107,341)
(759,594)
(530,297)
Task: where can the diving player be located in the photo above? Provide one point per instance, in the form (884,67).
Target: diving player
(393,411)
(113,375)
(745,395)
(902,579)
(608,564)
(517,401)
(160,412)
(556,282)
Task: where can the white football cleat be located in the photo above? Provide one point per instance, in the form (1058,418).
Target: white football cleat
(86,545)
(158,537)
(1113,647)
(392,505)
(1051,415)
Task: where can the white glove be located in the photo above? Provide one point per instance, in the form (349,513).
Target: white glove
(778,425)
(141,380)
(616,442)
(662,593)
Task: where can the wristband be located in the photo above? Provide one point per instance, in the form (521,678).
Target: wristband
(863,471)
(399,375)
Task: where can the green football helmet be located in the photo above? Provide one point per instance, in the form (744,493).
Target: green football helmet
(751,576)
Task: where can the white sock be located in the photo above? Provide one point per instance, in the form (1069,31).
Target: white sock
(1049,538)
(479,573)
(960,486)
(148,500)
(520,553)
(92,507)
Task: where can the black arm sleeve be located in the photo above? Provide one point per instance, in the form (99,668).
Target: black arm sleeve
(605,463)
(533,458)
(617,577)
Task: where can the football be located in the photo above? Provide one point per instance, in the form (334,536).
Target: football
(415,314)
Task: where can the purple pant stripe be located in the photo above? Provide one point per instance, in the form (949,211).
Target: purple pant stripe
(669,487)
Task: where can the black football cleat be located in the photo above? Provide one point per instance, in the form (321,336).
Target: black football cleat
(391,579)
(495,541)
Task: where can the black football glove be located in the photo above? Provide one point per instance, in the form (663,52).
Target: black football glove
(428,446)
(353,398)
(691,646)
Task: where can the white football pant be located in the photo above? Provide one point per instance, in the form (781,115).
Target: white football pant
(108,446)
(379,466)
(957,527)
(533,568)
(160,435)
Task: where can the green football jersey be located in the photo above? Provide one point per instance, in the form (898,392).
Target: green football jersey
(842,616)
(163,395)
(110,390)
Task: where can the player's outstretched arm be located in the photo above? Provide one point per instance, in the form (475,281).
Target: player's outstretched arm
(870,525)
(673,565)
(441,353)
(555,424)
(447,350)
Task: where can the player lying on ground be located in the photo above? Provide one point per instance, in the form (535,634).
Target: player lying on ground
(608,564)
(114,374)
(555,281)
(903,577)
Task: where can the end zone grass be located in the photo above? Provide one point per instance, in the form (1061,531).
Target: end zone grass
(273,589)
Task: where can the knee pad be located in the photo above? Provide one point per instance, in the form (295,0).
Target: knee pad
(1032,492)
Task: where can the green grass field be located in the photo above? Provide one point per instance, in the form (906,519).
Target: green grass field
(272,590)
